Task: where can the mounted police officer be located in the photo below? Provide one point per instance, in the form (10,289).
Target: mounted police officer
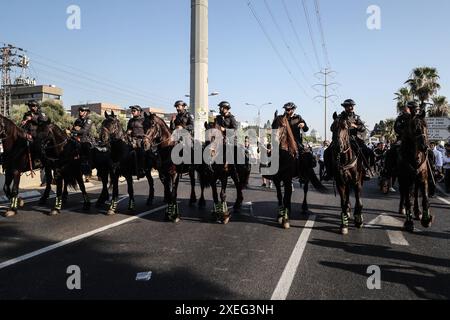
(30,122)
(357,130)
(183,119)
(81,132)
(225,120)
(32,118)
(135,131)
(298,125)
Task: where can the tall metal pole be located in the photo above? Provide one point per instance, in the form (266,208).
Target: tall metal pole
(199,66)
(325,97)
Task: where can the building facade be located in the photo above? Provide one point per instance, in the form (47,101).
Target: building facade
(22,94)
(100,109)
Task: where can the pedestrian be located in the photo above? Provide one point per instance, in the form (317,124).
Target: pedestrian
(446,166)
(268,151)
(320,158)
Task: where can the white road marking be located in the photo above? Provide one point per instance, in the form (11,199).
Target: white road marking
(284,284)
(444,201)
(76,238)
(396,237)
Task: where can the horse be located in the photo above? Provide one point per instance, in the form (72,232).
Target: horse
(17,159)
(348,171)
(413,171)
(113,136)
(59,154)
(159,144)
(218,169)
(288,150)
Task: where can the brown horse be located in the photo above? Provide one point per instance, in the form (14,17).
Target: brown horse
(413,171)
(348,171)
(287,168)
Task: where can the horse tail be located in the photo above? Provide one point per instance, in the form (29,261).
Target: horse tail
(203,177)
(70,176)
(312,177)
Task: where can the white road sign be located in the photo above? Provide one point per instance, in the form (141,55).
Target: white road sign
(438,128)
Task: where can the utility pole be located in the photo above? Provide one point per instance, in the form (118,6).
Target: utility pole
(325,97)
(10,57)
(199,66)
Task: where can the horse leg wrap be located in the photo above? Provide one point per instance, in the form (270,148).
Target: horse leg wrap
(344,219)
(14,203)
(58,203)
(113,205)
(131,204)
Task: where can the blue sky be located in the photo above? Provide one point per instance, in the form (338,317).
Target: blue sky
(145,46)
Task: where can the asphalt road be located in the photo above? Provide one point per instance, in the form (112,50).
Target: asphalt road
(250,258)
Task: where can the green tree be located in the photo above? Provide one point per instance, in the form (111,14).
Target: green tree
(423,83)
(440,107)
(403,95)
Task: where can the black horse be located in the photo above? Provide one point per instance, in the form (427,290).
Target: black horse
(122,158)
(292,164)
(17,159)
(413,171)
(60,156)
(218,169)
(159,145)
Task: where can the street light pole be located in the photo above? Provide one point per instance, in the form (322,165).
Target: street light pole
(259,115)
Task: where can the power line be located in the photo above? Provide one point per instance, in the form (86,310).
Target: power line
(275,48)
(322,34)
(311,35)
(104,80)
(283,38)
(297,35)
(109,86)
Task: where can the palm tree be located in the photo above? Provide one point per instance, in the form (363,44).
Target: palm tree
(440,107)
(388,131)
(424,83)
(403,96)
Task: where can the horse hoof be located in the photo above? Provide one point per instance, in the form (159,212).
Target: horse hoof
(403,212)
(54,212)
(286,225)
(280,219)
(358,222)
(426,223)
(418,215)
(409,226)
(9,213)
(21,202)
(110,213)
(344,231)
(226,220)
(176,220)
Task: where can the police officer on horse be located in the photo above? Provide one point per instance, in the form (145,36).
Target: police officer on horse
(356,130)
(298,125)
(81,132)
(183,119)
(135,131)
(30,122)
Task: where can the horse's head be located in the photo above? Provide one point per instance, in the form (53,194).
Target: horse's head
(340,130)
(418,130)
(156,131)
(111,129)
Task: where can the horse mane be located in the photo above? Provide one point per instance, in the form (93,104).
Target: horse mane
(290,140)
